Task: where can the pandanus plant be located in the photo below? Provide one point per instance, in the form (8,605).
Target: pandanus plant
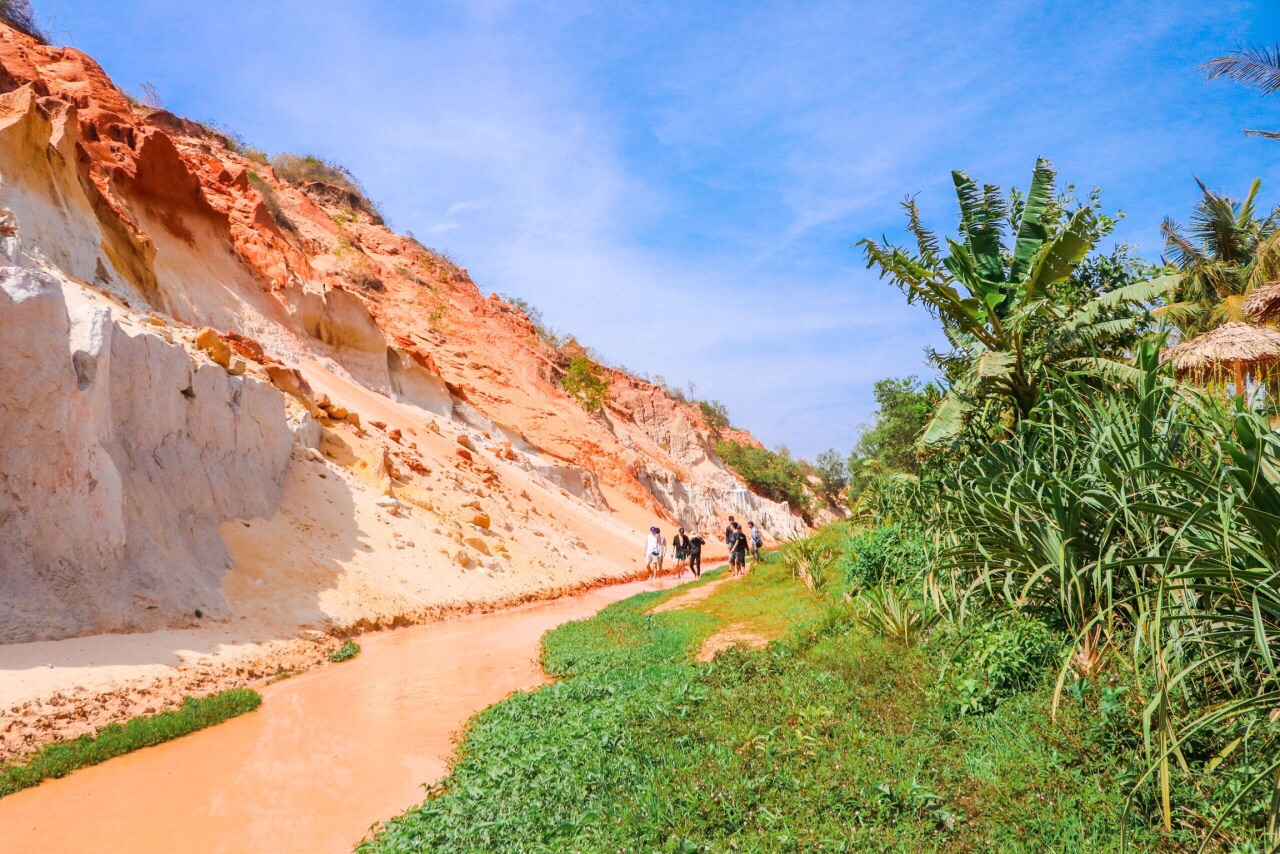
(1145,512)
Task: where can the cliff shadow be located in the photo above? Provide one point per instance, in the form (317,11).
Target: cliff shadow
(280,568)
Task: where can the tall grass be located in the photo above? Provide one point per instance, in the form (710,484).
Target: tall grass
(811,560)
(1141,519)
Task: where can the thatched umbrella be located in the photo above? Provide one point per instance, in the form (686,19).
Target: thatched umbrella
(1263,305)
(1243,348)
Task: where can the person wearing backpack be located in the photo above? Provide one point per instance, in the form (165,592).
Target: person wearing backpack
(696,542)
(757,541)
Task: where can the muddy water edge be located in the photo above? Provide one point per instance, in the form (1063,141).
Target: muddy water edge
(330,753)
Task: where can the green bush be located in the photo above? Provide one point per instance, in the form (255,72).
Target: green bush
(893,552)
(772,475)
(585,381)
(60,759)
(349,649)
(716,414)
(1003,657)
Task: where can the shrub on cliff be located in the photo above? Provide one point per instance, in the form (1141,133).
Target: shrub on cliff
(19,15)
(271,201)
(716,414)
(772,475)
(308,169)
(585,381)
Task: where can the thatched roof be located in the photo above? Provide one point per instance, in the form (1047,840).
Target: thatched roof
(1253,349)
(1263,305)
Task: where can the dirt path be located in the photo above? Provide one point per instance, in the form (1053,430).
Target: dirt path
(329,753)
(692,597)
(727,636)
(731,635)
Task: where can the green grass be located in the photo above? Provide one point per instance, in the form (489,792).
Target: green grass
(60,759)
(831,739)
(349,650)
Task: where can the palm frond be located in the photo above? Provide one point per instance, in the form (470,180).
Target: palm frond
(1256,67)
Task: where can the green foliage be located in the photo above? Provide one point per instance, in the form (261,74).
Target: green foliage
(1010,312)
(1139,516)
(904,409)
(893,552)
(349,650)
(833,472)
(1229,253)
(768,473)
(60,759)
(1002,658)
(309,169)
(890,612)
(585,381)
(716,414)
(1258,67)
(811,561)
(831,740)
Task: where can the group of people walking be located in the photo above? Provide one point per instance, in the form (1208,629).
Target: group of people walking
(687,550)
(740,542)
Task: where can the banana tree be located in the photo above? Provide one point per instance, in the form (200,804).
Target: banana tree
(1008,312)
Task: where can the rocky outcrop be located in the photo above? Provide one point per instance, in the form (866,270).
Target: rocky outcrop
(227,394)
(123,454)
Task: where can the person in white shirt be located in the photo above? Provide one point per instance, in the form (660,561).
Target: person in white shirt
(653,552)
(662,551)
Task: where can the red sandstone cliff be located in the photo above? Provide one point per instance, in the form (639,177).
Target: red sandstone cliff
(227,393)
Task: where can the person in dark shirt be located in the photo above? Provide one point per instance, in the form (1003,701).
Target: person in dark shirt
(695,554)
(738,551)
(681,545)
(728,533)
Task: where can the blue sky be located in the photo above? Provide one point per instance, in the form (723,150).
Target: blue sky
(681,184)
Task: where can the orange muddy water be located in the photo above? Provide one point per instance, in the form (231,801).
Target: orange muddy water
(327,755)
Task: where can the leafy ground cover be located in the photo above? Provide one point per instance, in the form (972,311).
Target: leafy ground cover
(60,759)
(831,739)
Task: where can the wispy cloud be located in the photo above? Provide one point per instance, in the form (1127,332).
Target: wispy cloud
(681,184)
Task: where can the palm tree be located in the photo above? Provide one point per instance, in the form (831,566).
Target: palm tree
(1226,254)
(1009,313)
(1256,67)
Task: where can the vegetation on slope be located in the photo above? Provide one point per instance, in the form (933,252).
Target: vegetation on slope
(60,759)
(584,381)
(304,169)
(349,650)
(22,17)
(769,473)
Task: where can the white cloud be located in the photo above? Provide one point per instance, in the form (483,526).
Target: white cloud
(680,184)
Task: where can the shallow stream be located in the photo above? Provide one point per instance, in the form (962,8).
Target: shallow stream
(329,753)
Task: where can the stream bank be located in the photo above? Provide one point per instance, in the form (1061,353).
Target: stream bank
(329,753)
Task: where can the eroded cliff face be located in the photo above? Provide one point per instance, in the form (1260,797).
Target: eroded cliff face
(229,395)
